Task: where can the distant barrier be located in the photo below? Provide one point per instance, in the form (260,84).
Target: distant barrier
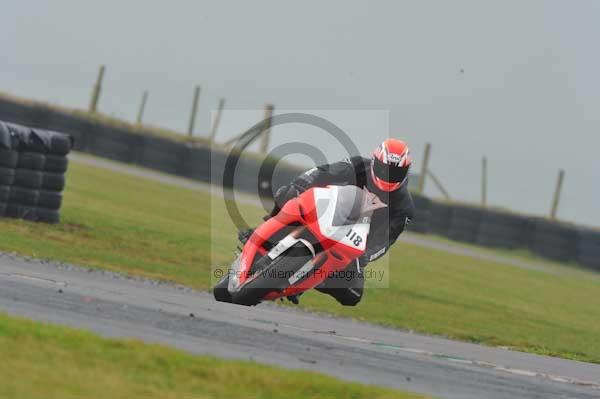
(32,168)
(490,228)
(199,162)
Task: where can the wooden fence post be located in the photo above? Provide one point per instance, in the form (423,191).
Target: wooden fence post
(140,114)
(264,143)
(557,192)
(194,111)
(438,184)
(217,120)
(97,90)
(424,168)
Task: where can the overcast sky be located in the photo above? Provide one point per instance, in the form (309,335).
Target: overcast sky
(514,80)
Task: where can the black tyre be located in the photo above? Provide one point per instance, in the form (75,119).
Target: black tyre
(47,215)
(441,217)
(420,222)
(32,214)
(7,176)
(8,158)
(31,160)
(4,193)
(24,196)
(56,163)
(50,199)
(60,144)
(28,179)
(20,211)
(273,275)
(53,181)
(220,291)
(5,136)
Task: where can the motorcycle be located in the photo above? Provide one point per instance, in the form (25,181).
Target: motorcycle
(313,236)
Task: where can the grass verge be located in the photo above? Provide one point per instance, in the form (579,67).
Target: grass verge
(129,224)
(46,361)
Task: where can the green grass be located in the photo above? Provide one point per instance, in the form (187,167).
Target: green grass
(45,361)
(122,223)
(137,226)
(484,302)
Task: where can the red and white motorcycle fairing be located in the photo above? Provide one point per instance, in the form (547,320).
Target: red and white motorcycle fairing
(337,220)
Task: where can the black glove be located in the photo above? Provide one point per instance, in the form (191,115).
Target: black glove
(282,196)
(286,193)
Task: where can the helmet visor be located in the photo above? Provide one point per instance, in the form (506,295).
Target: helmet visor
(389,173)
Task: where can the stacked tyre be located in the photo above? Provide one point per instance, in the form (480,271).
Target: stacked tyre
(440,217)
(553,240)
(504,230)
(588,248)
(464,223)
(422,217)
(8,164)
(32,172)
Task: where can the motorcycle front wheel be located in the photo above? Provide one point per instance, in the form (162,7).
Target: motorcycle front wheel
(274,275)
(220,291)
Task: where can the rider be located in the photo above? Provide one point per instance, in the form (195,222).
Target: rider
(386,175)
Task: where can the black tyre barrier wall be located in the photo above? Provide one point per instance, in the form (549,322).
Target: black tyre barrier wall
(464,223)
(503,230)
(497,229)
(440,216)
(32,167)
(588,249)
(121,144)
(421,223)
(460,222)
(553,241)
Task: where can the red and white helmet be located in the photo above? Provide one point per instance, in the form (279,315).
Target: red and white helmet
(390,164)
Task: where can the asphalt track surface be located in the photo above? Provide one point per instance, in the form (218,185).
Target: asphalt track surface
(119,306)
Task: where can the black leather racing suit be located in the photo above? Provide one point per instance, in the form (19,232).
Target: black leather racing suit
(386,223)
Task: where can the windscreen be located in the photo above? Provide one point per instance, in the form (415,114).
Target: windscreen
(348,205)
